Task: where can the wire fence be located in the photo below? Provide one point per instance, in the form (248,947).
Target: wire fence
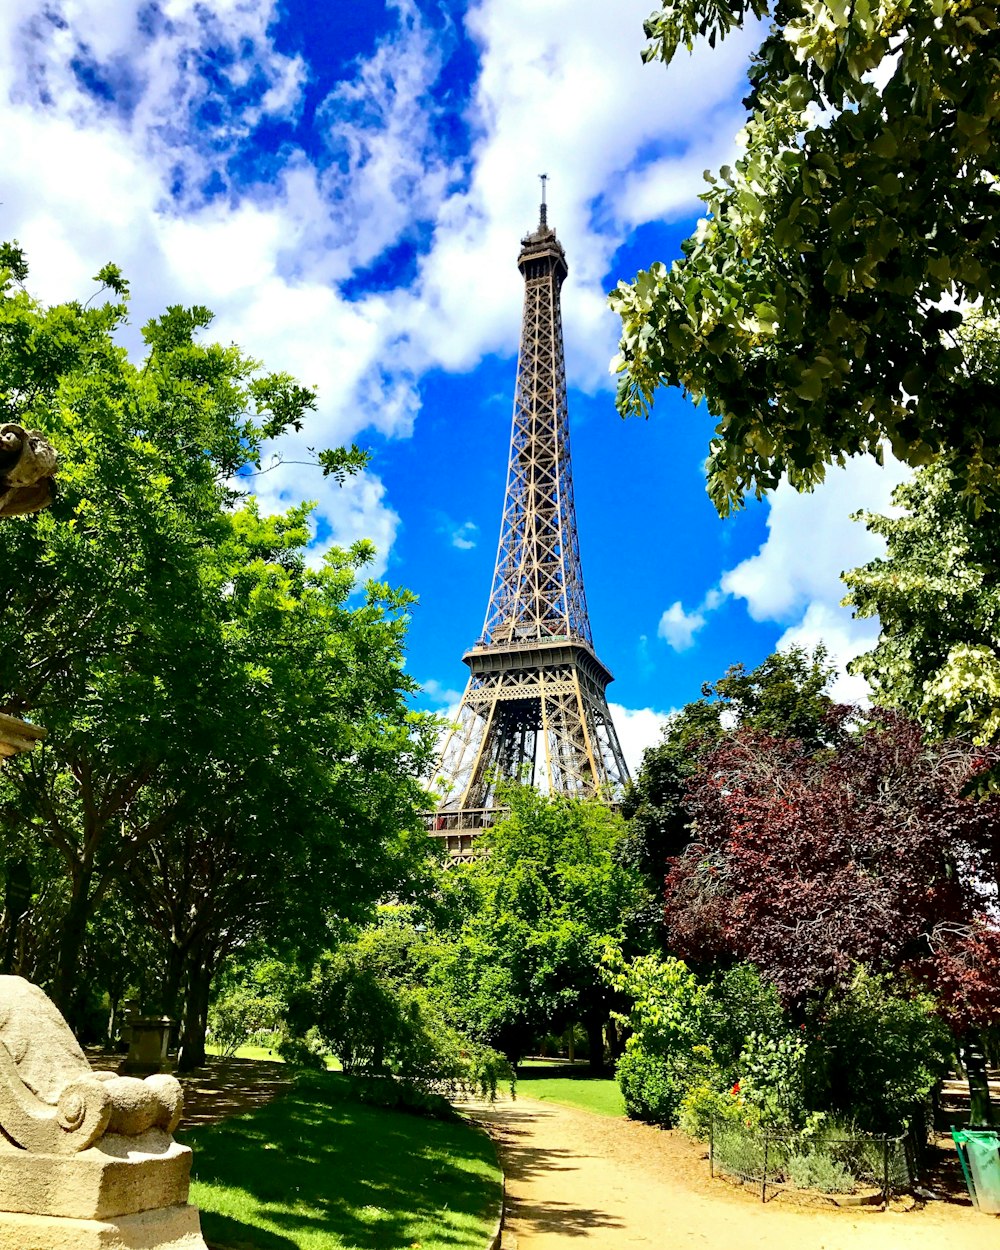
(828,1165)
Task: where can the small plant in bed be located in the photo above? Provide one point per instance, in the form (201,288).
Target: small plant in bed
(816,1170)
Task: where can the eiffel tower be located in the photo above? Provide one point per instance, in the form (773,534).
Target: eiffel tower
(534,709)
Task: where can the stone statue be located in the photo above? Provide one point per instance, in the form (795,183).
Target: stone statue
(86,1159)
(27,484)
(27,471)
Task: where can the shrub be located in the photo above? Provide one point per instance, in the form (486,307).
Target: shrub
(885,1051)
(302,1052)
(651,1085)
(661,1057)
(379,1028)
(485,1068)
(734,1004)
(400,1095)
(772,1078)
(703,1103)
(819,1171)
(241,1012)
(740,1150)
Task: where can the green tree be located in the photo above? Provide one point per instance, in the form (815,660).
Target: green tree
(547,898)
(105,622)
(816,307)
(660,1061)
(936,593)
(374,1003)
(198,682)
(268,847)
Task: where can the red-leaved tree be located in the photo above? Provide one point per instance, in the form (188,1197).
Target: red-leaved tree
(808,864)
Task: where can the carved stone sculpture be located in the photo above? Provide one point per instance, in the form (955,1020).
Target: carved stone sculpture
(87,1159)
(27,471)
(17,735)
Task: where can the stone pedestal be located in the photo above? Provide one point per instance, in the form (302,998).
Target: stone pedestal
(118,1176)
(123,1192)
(148,1043)
(170,1228)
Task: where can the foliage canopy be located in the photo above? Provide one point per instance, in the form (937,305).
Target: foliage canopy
(230,755)
(817,307)
(936,593)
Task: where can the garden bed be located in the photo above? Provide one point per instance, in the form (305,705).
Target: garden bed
(841,1170)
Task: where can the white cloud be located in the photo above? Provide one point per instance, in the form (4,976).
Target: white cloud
(446,700)
(357,509)
(679,627)
(811,541)
(638,728)
(622,145)
(142,173)
(387,173)
(794,579)
(464,535)
(843,638)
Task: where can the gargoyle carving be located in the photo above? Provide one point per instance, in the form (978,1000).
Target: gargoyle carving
(50,1100)
(27,471)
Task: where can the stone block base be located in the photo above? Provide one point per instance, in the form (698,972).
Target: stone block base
(170,1228)
(119,1176)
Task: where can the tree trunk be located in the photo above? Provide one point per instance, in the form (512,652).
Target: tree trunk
(173,979)
(66,988)
(17,900)
(974,1062)
(616,1040)
(195,1024)
(112,1018)
(594,1025)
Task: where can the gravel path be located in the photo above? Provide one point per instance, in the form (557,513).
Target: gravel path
(578,1179)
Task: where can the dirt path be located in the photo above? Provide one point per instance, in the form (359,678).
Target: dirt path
(577,1179)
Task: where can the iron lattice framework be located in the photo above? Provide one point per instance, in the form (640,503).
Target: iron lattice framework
(535,707)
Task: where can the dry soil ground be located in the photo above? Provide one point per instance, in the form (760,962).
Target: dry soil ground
(577,1179)
(226,1087)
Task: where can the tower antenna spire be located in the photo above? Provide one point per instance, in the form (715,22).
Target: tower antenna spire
(543,212)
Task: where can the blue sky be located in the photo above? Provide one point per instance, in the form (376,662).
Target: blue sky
(346,184)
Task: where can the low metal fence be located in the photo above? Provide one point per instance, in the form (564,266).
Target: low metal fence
(824,1164)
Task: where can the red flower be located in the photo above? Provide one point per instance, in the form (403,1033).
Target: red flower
(735,1090)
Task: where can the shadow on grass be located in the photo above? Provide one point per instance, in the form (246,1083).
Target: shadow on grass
(312,1166)
(228,1087)
(223,1087)
(563,1071)
(222,1233)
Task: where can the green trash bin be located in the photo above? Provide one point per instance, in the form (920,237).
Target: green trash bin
(979,1152)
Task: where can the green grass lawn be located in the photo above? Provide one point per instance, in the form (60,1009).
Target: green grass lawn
(314,1170)
(571,1086)
(264,1052)
(248,1052)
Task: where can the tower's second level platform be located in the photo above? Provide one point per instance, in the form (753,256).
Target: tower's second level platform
(531,654)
